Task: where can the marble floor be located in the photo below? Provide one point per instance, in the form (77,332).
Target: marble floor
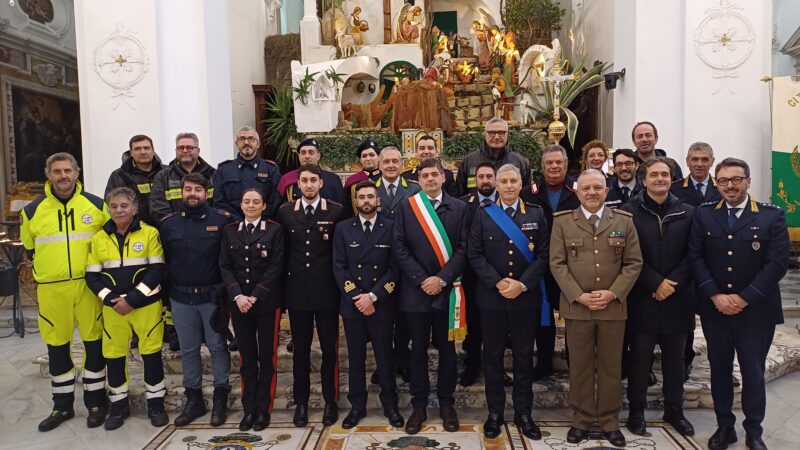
(25,400)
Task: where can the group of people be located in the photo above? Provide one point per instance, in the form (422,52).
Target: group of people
(407,259)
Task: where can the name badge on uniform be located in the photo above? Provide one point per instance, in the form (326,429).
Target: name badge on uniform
(529,226)
(756,245)
(381,246)
(263,253)
(265,175)
(355,244)
(212,228)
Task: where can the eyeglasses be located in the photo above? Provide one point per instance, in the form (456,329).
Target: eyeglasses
(496,133)
(736,181)
(627,164)
(249,139)
(185,148)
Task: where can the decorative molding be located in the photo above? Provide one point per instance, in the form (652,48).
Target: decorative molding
(724,40)
(48,74)
(121,61)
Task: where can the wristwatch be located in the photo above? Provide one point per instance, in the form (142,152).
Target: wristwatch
(442,282)
(373,297)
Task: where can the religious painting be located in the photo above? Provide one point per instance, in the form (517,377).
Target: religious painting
(38,10)
(41,123)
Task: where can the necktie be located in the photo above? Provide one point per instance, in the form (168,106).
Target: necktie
(593,221)
(626,193)
(700,192)
(309,211)
(367,229)
(510,212)
(250,228)
(391,193)
(486,201)
(732,216)
(434,203)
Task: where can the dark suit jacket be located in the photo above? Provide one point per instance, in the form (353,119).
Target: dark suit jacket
(749,259)
(493,257)
(417,261)
(363,265)
(252,264)
(404,190)
(309,283)
(450,185)
(685,190)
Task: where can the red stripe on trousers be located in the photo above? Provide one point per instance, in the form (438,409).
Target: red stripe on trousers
(275,337)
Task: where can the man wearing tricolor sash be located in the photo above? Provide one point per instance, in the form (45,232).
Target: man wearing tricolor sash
(430,250)
(508,250)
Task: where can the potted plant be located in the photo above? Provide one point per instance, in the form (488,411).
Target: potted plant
(281,129)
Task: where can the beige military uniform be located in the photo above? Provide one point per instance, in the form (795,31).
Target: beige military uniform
(584,260)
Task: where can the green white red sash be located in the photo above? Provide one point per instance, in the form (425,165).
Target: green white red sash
(440,243)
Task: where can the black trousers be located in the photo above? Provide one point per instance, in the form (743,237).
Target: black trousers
(672,367)
(522,326)
(750,341)
(257,337)
(473,343)
(545,338)
(688,349)
(420,325)
(302,326)
(402,341)
(358,332)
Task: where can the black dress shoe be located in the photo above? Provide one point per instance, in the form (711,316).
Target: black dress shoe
(528,427)
(491,428)
(469,376)
(300,418)
(678,421)
(395,418)
(651,379)
(418,417)
(507,380)
(576,435)
(722,438)
(55,419)
(449,418)
(735,381)
(353,417)
(755,443)
(247,422)
(331,414)
(636,423)
(615,438)
(262,422)
(374,378)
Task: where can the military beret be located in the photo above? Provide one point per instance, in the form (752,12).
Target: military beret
(369,143)
(311,141)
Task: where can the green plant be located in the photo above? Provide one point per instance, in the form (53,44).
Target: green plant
(335,77)
(303,88)
(339,150)
(531,19)
(584,79)
(529,145)
(280,126)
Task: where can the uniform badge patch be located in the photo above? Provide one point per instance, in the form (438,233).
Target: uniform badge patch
(349,286)
(756,245)
(138,246)
(389,286)
(87,219)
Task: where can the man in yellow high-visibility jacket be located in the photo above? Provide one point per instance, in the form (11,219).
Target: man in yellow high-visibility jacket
(56,231)
(125,268)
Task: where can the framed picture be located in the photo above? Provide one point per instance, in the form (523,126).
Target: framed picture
(39,122)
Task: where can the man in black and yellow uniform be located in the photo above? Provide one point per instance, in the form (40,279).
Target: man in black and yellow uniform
(56,230)
(125,268)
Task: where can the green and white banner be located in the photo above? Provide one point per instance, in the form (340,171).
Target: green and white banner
(786,149)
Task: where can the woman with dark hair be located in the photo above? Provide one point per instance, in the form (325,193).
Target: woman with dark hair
(251,261)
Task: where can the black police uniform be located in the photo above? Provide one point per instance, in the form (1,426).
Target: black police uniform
(312,294)
(234,176)
(493,256)
(363,264)
(686,190)
(616,194)
(418,261)
(251,264)
(748,257)
(546,336)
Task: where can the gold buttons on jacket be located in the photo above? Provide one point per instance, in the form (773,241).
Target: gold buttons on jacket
(730,269)
(730,285)
(730,253)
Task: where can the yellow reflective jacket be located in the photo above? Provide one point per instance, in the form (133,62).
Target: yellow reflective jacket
(131,267)
(57,235)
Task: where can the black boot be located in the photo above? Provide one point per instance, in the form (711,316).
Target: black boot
(120,410)
(194,408)
(156,413)
(219,410)
(674,416)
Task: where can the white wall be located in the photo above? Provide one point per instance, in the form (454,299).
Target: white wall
(58,35)
(786,20)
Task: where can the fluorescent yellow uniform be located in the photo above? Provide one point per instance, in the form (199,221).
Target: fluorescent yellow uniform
(130,266)
(57,235)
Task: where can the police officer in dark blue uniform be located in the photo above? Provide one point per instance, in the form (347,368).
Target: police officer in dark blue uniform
(367,279)
(247,170)
(191,240)
(739,250)
(698,188)
(624,184)
(509,251)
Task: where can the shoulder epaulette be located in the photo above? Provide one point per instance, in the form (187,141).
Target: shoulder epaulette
(272,221)
(534,205)
(269,161)
(172,214)
(222,212)
(227,161)
(561,213)
(769,205)
(286,205)
(233,224)
(96,201)
(712,203)
(30,208)
(623,212)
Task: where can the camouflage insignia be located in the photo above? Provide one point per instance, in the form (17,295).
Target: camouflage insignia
(349,286)
(389,286)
